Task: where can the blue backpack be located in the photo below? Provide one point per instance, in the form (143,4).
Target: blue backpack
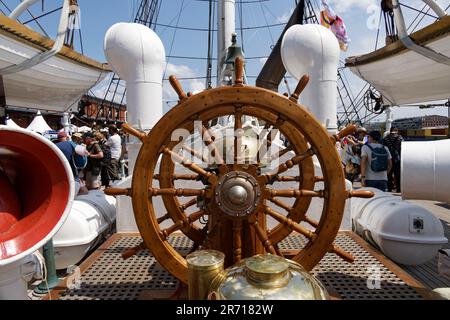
(80,162)
(380,157)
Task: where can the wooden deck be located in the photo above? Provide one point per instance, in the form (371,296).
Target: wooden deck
(106,276)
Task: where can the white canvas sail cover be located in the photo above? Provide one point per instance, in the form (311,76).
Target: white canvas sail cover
(39,124)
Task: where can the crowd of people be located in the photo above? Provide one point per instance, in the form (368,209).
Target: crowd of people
(374,161)
(94,157)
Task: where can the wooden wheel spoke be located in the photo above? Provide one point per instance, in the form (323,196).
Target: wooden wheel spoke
(176,192)
(175,227)
(268,134)
(288,178)
(187,164)
(178,88)
(360,194)
(163,218)
(299,89)
(262,236)
(281,153)
(238,135)
(237,241)
(194,153)
(183,223)
(118,192)
(134,132)
(341,253)
(307,233)
(343,133)
(264,136)
(292,225)
(179,177)
(281,204)
(208,139)
(269,177)
(188,204)
(288,208)
(239,72)
(311,222)
(295,193)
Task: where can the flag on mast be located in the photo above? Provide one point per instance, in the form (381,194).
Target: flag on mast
(330,20)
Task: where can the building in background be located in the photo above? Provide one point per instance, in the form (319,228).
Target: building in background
(423,128)
(91,112)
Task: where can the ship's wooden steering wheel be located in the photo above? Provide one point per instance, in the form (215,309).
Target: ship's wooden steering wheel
(234,195)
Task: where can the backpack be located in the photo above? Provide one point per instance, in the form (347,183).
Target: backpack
(106,153)
(380,157)
(80,162)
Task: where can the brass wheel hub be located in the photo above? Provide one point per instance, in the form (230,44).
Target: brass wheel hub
(238,194)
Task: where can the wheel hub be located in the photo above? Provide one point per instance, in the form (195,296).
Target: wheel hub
(238,194)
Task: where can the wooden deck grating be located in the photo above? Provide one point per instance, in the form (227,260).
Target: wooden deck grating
(106,276)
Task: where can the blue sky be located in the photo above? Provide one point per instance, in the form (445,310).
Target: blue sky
(98,15)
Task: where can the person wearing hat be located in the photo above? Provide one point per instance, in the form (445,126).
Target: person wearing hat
(94,165)
(361,135)
(115,144)
(376,161)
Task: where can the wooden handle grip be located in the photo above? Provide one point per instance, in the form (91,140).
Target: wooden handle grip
(239,71)
(300,87)
(134,132)
(177,87)
(344,255)
(117,192)
(345,132)
(361,194)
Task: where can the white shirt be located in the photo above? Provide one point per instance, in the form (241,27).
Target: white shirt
(115,143)
(370,174)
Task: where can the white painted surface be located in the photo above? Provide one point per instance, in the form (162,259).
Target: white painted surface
(137,55)
(314,50)
(41,140)
(226,25)
(125,221)
(16,271)
(406,233)
(402,84)
(14,278)
(425,170)
(55,84)
(90,217)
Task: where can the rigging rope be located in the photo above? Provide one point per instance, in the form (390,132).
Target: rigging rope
(378,31)
(174,36)
(210,46)
(169,26)
(417,16)
(241,23)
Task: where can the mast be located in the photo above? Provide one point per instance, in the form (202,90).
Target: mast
(226,21)
(273,70)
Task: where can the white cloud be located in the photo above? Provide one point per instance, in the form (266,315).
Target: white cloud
(285,17)
(341,6)
(189,85)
